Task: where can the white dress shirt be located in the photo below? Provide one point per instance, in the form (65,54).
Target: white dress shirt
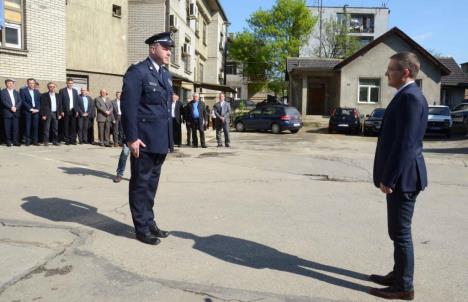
(31,93)
(70,96)
(53,102)
(12,97)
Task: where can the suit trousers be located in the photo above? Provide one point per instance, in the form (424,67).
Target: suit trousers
(400,208)
(104,132)
(32,127)
(117,131)
(197,125)
(11,125)
(69,127)
(51,120)
(176,132)
(83,122)
(144,180)
(225,127)
(189,133)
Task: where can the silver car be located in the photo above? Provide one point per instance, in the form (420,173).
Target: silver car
(439,120)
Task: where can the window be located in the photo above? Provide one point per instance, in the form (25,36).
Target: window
(116,11)
(231,68)
(204,33)
(200,72)
(11,35)
(369,90)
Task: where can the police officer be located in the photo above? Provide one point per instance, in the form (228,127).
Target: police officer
(146,120)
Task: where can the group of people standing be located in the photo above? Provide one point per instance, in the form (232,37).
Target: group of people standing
(63,116)
(197,115)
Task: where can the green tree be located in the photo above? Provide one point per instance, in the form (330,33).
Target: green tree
(271,37)
(335,41)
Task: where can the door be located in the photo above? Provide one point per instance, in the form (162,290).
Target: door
(316,99)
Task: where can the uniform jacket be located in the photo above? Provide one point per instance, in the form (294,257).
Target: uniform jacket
(46,104)
(65,100)
(146,106)
(399,162)
(101,107)
(7,103)
(81,109)
(27,100)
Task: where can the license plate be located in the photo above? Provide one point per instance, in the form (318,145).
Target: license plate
(343,125)
(296,124)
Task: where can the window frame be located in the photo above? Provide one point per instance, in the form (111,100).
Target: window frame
(369,89)
(20,27)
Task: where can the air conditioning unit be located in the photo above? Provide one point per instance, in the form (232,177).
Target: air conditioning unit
(173,23)
(193,10)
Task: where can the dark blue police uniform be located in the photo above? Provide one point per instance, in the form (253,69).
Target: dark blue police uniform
(146,115)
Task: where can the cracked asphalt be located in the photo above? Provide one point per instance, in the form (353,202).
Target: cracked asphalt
(274,218)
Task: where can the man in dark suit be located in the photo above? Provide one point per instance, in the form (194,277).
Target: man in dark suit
(117,123)
(69,98)
(197,113)
(222,110)
(51,112)
(186,120)
(176,114)
(11,103)
(85,109)
(400,170)
(146,119)
(31,105)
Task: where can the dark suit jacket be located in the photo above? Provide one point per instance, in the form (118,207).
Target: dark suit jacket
(201,111)
(115,109)
(178,111)
(27,101)
(65,100)
(146,98)
(7,103)
(399,162)
(46,104)
(81,109)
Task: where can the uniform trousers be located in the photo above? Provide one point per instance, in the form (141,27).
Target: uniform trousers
(145,172)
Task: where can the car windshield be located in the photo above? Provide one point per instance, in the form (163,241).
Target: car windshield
(341,111)
(378,113)
(439,111)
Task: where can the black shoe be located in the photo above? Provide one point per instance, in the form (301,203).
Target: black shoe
(386,280)
(46,144)
(8,144)
(158,233)
(392,293)
(227,145)
(219,145)
(204,146)
(36,144)
(27,144)
(56,143)
(17,144)
(148,238)
(195,146)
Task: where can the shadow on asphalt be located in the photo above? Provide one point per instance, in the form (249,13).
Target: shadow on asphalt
(64,210)
(88,172)
(251,254)
(447,150)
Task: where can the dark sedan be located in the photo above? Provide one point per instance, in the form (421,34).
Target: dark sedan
(373,121)
(345,120)
(270,117)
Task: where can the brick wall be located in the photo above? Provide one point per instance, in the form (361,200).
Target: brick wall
(44,58)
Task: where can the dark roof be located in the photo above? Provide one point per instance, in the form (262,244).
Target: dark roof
(457,77)
(396,31)
(311,64)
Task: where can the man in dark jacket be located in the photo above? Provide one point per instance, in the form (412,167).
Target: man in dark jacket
(31,105)
(85,110)
(11,107)
(198,118)
(51,112)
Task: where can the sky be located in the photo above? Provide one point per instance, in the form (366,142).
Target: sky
(439,26)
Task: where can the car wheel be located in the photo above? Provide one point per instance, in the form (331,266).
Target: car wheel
(275,128)
(294,131)
(240,127)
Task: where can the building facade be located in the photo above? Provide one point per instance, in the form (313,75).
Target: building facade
(32,41)
(199,30)
(364,23)
(317,86)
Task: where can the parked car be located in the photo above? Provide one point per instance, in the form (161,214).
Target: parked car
(246,104)
(271,100)
(373,122)
(439,120)
(460,113)
(270,117)
(345,119)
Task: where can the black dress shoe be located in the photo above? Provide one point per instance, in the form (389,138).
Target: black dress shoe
(8,144)
(392,293)
(227,145)
(158,233)
(204,146)
(386,280)
(148,238)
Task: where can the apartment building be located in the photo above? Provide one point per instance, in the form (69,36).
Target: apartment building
(199,31)
(364,23)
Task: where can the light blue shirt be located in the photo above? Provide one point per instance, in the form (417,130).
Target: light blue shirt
(196,114)
(85,103)
(31,92)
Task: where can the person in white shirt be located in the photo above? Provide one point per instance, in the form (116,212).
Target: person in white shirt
(11,103)
(51,112)
(69,98)
(117,121)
